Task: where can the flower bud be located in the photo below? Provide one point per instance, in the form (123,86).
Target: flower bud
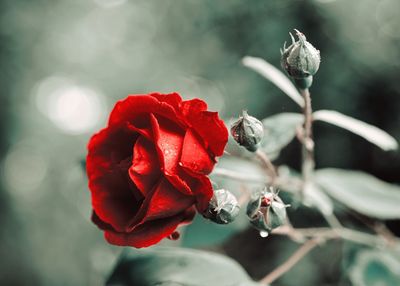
(248,131)
(300,60)
(223,207)
(266,211)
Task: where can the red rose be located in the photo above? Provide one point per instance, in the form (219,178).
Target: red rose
(148,168)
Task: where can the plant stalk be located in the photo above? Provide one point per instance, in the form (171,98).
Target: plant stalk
(268,166)
(308,162)
(288,264)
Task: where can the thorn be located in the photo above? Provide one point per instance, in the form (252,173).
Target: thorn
(291,36)
(302,37)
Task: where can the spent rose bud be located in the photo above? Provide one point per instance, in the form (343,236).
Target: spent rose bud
(223,207)
(248,131)
(266,211)
(300,60)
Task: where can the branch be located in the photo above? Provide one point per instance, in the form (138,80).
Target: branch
(326,233)
(268,166)
(288,264)
(308,144)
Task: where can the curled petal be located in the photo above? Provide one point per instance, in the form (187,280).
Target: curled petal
(173,99)
(149,233)
(163,202)
(194,156)
(168,138)
(207,125)
(145,169)
(108,171)
(134,106)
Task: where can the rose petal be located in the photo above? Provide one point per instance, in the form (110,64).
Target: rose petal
(108,147)
(134,106)
(151,232)
(202,189)
(114,197)
(168,138)
(145,170)
(99,223)
(194,156)
(172,99)
(206,124)
(141,125)
(165,201)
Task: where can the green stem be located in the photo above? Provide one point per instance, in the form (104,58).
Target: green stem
(268,166)
(308,164)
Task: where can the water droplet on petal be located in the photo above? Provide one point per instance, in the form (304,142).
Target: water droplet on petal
(263,233)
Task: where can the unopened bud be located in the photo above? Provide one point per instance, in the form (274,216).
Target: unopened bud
(266,211)
(300,60)
(248,131)
(223,207)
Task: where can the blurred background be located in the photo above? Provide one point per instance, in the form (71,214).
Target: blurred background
(64,64)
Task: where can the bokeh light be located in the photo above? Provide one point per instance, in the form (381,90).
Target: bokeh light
(72,108)
(24,169)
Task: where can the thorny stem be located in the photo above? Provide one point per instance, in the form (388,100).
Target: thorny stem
(308,143)
(269,167)
(290,262)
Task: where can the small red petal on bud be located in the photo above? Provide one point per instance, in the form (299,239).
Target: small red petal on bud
(174,236)
(265,202)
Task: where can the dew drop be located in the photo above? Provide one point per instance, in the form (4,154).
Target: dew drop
(263,233)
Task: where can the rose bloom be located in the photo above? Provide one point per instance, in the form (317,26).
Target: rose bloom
(148,168)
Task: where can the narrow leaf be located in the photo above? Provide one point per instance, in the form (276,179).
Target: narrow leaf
(369,132)
(361,192)
(275,76)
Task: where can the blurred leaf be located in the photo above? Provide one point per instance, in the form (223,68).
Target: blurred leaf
(375,268)
(361,192)
(315,197)
(203,232)
(369,132)
(177,267)
(275,76)
(280,129)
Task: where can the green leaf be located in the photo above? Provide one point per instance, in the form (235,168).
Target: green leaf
(361,192)
(203,232)
(315,197)
(280,129)
(369,132)
(177,267)
(375,268)
(275,76)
